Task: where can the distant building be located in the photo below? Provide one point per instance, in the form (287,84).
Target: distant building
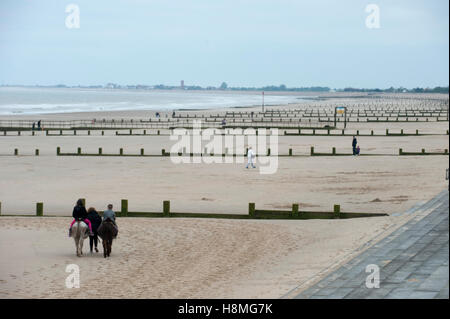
(182,84)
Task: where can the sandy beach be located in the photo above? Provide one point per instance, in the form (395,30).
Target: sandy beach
(199,258)
(181,258)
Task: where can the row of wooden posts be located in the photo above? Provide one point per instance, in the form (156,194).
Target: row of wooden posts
(253,213)
(402,133)
(164,153)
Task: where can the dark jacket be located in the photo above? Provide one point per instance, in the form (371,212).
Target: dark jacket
(95,220)
(354,143)
(79,212)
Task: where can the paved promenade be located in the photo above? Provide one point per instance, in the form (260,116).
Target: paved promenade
(413,261)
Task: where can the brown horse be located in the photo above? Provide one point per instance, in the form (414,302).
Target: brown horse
(107,232)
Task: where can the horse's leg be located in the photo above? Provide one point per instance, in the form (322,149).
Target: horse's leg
(76,245)
(104,248)
(81,245)
(109,247)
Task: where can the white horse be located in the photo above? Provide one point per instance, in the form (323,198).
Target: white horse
(80,231)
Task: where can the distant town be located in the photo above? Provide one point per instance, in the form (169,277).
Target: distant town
(224,87)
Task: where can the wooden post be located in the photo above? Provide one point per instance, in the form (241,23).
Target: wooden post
(142,152)
(295,210)
(166,208)
(334,150)
(58,150)
(163,152)
(401,131)
(36,152)
(74,132)
(100,151)
(268,152)
(16,151)
(131,132)
(251,209)
(290,152)
(423,151)
(79,151)
(0,208)
(371,132)
(337,211)
(400,151)
(121,151)
(312,150)
(39,209)
(89,132)
(103,133)
(417,132)
(124,208)
(387,131)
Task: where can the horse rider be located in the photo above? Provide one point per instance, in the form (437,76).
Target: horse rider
(80,213)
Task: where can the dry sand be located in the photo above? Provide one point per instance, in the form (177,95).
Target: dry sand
(178,258)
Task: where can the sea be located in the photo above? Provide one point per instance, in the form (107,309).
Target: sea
(39,100)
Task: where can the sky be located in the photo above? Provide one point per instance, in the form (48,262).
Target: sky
(248,43)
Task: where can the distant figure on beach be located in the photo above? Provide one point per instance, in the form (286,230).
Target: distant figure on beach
(224,122)
(157,114)
(354,143)
(110,215)
(250,156)
(173,114)
(79,212)
(95,220)
(358,150)
(39,125)
(34,126)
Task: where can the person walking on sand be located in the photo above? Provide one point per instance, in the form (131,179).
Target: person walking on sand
(250,156)
(354,143)
(95,220)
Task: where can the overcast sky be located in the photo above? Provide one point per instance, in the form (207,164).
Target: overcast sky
(244,43)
